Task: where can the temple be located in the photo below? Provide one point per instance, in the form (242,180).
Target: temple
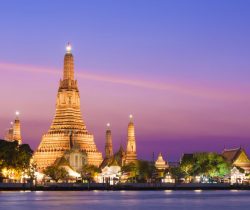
(68,131)
(14,132)
(237,157)
(160,163)
(131,155)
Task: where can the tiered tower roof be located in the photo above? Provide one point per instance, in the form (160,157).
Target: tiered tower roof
(68,130)
(131,155)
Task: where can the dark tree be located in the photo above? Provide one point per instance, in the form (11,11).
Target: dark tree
(89,172)
(14,156)
(56,173)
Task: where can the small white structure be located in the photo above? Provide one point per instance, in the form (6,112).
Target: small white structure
(236,176)
(168,179)
(110,174)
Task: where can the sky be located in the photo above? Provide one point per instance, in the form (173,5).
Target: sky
(182,69)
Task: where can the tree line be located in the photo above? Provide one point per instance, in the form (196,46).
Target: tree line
(16,158)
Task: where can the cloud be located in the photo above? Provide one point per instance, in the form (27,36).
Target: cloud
(185,89)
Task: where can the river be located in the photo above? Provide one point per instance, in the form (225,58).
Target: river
(120,200)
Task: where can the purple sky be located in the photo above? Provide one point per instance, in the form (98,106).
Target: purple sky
(182,68)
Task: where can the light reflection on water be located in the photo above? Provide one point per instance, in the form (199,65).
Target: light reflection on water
(101,200)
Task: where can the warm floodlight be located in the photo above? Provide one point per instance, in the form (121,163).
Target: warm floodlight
(130,116)
(68,48)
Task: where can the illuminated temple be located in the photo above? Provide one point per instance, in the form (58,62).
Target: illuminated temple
(121,157)
(14,132)
(68,130)
(131,155)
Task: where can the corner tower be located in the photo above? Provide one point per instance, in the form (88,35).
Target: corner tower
(14,132)
(17,130)
(108,144)
(131,155)
(68,125)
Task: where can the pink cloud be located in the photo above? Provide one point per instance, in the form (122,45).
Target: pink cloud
(183,88)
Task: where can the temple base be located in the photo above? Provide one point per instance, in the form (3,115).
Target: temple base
(54,146)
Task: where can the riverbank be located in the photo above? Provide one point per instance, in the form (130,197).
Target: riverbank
(119,187)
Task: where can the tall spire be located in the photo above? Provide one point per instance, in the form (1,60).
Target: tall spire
(131,155)
(68,69)
(68,114)
(9,133)
(108,144)
(14,132)
(68,129)
(17,129)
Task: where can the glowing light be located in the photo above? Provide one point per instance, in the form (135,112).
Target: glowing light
(5,172)
(168,191)
(108,124)
(68,48)
(17,113)
(198,191)
(11,123)
(130,116)
(10,173)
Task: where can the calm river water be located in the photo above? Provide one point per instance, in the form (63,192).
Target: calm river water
(174,200)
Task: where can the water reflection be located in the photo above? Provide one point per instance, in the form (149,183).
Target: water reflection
(198,191)
(113,200)
(168,191)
